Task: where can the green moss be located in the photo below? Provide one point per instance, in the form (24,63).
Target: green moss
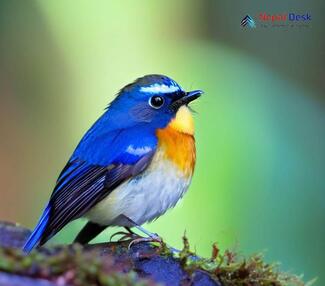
(230,269)
(70,265)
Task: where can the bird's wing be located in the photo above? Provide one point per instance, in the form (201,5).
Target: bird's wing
(81,184)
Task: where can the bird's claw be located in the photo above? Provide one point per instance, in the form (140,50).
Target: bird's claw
(152,238)
(125,236)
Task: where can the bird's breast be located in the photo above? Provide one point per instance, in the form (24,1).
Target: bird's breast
(178,147)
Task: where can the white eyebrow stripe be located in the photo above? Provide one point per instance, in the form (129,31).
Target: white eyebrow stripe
(138,151)
(159,88)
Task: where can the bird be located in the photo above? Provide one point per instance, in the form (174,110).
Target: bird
(134,163)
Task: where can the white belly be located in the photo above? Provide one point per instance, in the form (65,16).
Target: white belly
(144,197)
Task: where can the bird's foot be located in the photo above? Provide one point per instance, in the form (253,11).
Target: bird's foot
(125,235)
(151,238)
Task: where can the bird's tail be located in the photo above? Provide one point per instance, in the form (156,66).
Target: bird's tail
(36,235)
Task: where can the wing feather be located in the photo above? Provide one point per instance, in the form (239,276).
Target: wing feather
(84,186)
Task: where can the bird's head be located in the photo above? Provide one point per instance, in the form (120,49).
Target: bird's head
(155,100)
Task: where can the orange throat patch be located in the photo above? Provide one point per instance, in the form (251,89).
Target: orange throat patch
(178,143)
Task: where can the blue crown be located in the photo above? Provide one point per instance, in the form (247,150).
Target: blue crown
(154,83)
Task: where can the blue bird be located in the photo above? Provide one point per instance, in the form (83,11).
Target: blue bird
(131,166)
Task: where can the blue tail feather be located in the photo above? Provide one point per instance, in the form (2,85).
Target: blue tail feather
(36,235)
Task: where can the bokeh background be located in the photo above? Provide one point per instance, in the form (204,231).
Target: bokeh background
(260,178)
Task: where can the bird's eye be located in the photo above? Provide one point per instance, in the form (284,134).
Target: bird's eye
(156,101)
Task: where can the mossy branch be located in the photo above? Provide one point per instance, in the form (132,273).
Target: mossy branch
(144,264)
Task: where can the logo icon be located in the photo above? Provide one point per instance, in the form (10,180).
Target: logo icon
(248,21)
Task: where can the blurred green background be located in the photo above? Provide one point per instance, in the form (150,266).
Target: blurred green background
(260,177)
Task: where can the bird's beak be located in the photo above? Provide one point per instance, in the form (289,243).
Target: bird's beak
(192,95)
(186,99)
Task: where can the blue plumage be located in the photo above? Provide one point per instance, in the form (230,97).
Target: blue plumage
(119,146)
(102,147)
(38,231)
